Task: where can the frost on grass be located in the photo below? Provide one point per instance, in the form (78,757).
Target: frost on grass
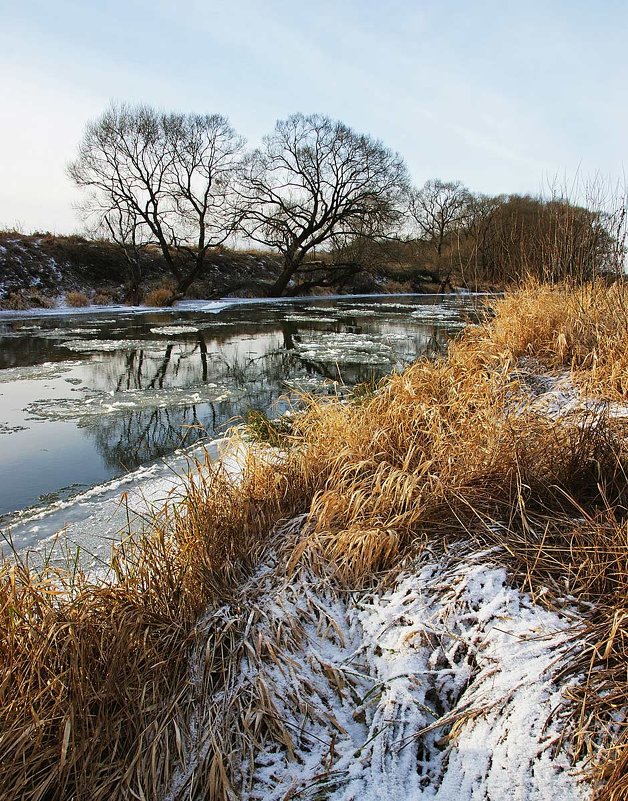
(438,687)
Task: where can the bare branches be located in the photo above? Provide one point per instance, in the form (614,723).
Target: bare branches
(315,179)
(437,209)
(164,179)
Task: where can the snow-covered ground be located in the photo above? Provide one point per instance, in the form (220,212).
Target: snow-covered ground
(437,686)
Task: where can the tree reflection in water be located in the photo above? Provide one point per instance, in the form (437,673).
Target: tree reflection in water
(165,380)
(129,438)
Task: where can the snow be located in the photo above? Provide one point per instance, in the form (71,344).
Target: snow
(439,687)
(555,395)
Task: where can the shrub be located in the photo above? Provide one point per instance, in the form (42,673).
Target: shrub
(39,301)
(16,302)
(162,296)
(77,299)
(103,299)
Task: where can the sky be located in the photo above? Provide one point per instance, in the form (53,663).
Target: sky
(506,97)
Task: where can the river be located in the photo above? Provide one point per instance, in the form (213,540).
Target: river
(95,403)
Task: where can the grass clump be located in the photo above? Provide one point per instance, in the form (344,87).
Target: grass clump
(103,298)
(581,328)
(95,684)
(77,300)
(161,296)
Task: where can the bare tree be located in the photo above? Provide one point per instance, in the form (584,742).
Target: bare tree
(315,180)
(124,227)
(161,178)
(437,209)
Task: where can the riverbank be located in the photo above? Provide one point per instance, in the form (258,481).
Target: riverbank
(378,601)
(47,271)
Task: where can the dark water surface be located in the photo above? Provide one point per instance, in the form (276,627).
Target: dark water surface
(86,397)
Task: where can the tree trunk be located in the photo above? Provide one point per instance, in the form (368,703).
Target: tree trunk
(291,265)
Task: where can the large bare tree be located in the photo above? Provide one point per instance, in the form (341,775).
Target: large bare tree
(162,178)
(314,181)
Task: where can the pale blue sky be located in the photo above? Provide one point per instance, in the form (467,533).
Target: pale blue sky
(503,96)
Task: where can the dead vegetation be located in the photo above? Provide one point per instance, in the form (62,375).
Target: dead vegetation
(96,695)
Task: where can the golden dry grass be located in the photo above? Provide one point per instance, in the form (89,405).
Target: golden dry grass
(77,299)
(96,698)
(583,328)
(161,296)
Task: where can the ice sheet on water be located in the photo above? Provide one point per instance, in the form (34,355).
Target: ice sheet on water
(37,372)
(61,333)
(170,330)
(346,348)
(361,312)
(101,516)
(439,314)
(308,318)
(50,333)
(109,345)
(212,306)
(89,404)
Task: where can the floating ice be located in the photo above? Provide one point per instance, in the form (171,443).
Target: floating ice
(346,348)
(169,330)
(440,314)
(106,345)
(95,404)
(103,515)
(37,372)
(304,318)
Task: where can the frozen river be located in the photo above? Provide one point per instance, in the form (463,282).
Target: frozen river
(99,402)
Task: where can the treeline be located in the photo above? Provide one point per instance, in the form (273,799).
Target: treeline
(328,200)
(483,240)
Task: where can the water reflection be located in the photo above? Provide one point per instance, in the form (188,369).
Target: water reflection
(139,387)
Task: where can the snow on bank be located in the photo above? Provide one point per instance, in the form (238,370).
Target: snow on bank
(100,517)
(438,688)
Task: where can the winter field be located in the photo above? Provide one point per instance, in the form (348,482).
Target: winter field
(414,591)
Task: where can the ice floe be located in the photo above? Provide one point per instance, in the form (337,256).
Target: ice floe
(346,348)
(168,330)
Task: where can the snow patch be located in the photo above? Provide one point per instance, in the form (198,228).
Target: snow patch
(438,688)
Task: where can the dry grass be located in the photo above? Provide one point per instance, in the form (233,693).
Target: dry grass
(162,296)
(94,679)
(582,328)
(102,298)
(77,299)
(97,699)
